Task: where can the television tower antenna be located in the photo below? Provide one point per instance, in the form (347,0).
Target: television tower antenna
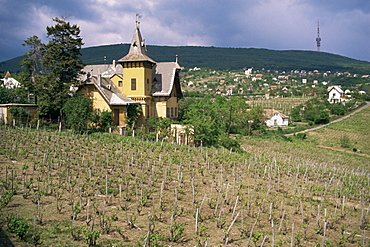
(318,39)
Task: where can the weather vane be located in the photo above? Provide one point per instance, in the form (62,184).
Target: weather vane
(138,16)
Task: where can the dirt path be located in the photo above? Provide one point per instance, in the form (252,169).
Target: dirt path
(343,150)
(334,121)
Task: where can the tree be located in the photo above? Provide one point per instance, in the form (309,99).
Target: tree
(295,115)
(133,114)
(32,65)
(63,64)
(160,125)
(241,113)
(6,95)
(206,120)
(78,111)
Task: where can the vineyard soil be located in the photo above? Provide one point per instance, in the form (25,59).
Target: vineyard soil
(108,190)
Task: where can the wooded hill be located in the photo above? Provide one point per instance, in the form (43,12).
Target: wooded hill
(222,58)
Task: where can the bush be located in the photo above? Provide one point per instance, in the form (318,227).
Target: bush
(18,226)
(78,111)
(344,141)
(19,112)
(301,136)
(229,143)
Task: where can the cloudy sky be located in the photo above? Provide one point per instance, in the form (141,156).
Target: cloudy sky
(271,24)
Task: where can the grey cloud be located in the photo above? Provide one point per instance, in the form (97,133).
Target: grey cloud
(271,24)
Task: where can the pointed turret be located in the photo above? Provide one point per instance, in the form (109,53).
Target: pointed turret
(137,50)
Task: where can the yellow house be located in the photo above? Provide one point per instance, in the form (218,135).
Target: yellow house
(135,79)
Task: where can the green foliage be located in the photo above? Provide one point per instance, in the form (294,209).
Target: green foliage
(301,136)
(133,114)
(19,112)
(106,120)
(78,111)
(160,125)
(32,64)
(295,115)
(207,120)
(237,58)
(213,117)
(6,95)
(62,62)
(229,143)
(215,57)
(316,111)
(90,236)
(337,109)
(6,198)
(18,226)
(344,141)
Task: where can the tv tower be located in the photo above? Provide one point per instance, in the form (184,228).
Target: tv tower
(318,39)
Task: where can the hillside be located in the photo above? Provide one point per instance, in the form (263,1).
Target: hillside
(222,58)
(66,189)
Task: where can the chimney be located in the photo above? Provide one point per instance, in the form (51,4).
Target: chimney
(114,64)
(99,80)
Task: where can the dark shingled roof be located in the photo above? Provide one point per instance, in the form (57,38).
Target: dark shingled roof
(137,50)
(164,78)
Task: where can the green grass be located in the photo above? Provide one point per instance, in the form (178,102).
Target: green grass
(356,128)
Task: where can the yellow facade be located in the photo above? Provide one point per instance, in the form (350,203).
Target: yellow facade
(139,74)
(100,104)
(155,86)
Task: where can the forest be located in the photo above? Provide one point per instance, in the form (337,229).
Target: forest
(221,58)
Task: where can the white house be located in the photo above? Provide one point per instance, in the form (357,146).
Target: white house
(336,95)
(275,118)
(9,82)
(248,72)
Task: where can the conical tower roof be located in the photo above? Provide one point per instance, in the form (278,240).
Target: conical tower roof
(137,50)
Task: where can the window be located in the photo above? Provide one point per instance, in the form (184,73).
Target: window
(120,83)
(133,83)
(168,112)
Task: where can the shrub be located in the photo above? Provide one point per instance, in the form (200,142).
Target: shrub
(18,226)
(229,143)
(78,111)
(344,141)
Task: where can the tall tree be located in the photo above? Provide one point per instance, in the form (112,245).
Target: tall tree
(63,64)
(32,65)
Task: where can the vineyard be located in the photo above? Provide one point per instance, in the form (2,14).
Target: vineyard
(63,189)
(350,133)
(285,105)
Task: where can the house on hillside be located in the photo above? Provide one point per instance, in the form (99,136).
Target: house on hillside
(274,118)
(336,95)
(135,79)
(9,82)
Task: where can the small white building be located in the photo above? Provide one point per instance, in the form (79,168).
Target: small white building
(336,95)
(248,72)
(274,118)
(9,82)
